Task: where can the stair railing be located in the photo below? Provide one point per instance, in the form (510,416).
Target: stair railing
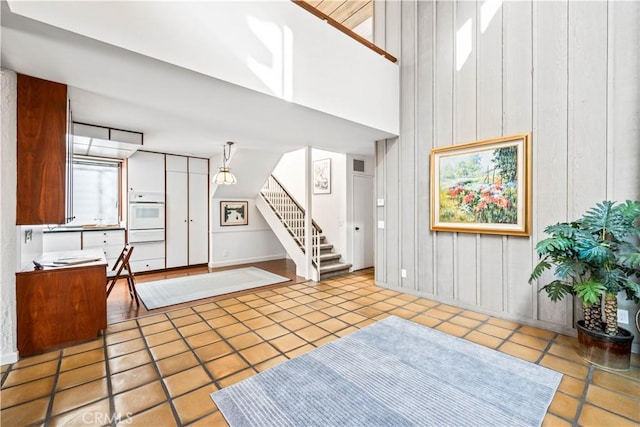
(292,215)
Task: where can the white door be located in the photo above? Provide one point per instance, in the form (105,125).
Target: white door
(363,227)
(177,219)
(198,212)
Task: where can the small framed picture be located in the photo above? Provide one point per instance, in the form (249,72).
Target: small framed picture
(322,176)
(234,213)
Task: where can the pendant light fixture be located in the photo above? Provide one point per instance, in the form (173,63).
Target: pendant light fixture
(224,175)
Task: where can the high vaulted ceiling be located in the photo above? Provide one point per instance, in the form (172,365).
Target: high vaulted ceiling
(349,13)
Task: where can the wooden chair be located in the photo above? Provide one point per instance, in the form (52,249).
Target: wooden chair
(122,264)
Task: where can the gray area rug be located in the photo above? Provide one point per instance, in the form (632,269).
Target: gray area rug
(393,373)
(162,293)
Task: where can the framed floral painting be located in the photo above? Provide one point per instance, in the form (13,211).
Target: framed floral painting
(482,187)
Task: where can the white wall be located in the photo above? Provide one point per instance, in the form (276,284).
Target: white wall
(564,71)
(273,47)
(8,260)
(241,244)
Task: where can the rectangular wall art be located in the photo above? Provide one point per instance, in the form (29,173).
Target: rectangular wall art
(322,176)
(234,213)
(482,187)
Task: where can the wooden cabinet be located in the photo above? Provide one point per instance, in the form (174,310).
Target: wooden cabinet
(145,171)
(41,151)
(59,306)
(187,211)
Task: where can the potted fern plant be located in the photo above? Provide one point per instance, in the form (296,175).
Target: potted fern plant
(596,257)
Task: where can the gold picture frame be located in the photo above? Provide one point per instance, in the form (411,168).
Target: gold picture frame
(483,187)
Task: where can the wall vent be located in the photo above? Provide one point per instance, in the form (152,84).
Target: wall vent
(358,165)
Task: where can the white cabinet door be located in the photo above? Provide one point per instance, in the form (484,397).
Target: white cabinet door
(176,163)
(198,212)
(110,242)
(62,241)
(177,219)
(146,172)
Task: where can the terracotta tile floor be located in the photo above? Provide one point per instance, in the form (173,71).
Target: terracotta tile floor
(159,370)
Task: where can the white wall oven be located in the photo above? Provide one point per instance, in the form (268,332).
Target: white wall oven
(146,217)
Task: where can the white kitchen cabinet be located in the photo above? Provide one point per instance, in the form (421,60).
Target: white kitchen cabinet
(187,211)
(110,242)
(145,172)
(198,211)
(62,241)
(147,256)
(177,219)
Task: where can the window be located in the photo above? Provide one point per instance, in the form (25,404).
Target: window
(96,191)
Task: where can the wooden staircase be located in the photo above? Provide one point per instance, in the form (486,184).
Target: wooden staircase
(292,216)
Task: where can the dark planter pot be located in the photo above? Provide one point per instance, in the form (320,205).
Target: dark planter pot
(607,351)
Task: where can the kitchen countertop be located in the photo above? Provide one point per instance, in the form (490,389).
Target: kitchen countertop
(84,228)
(68,259)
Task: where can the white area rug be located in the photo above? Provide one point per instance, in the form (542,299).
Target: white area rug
(162,293)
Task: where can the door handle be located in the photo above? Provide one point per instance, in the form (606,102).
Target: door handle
(357,228)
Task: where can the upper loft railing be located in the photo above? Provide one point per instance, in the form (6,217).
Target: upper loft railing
(303,4)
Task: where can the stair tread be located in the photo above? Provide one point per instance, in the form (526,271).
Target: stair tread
(330,255)
(334,267)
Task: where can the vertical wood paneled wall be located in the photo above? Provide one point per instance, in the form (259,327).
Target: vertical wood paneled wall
(565,71)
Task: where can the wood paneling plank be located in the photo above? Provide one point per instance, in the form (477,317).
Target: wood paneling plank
(408,122)
(623,102)
(518,118)
(587,105)
(424,138)
(550,136)
(443,133)
(465,130)
(488,31)
(359,16)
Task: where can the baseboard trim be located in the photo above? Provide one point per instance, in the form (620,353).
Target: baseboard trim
(245,260)
(502,315)
(6,359)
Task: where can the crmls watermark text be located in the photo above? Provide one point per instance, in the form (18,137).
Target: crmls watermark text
(103,418)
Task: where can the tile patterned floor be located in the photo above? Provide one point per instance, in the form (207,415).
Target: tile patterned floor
(159,370)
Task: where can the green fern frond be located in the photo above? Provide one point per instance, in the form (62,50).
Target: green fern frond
(566,229)
(540,268)
(571,268)
(632,289)
(557,290)
(631,259)
(590,291)
(553,245)
(594,252)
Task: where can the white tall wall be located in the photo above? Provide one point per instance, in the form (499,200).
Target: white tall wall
(8,260)
(565,71)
